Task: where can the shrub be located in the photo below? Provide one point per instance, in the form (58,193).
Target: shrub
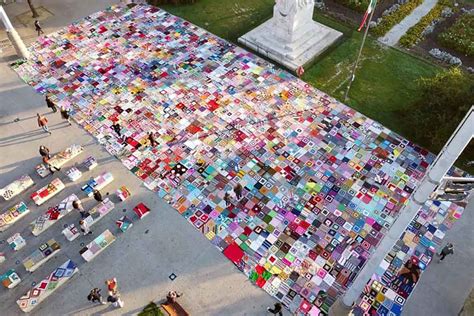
(395,17)
(445,100)
(460,36)
(415,33)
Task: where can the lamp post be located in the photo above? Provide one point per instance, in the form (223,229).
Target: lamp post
(16,40)
(354,67)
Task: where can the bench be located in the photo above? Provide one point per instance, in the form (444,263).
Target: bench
(174,309)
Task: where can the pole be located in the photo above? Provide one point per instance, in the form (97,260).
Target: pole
(351,79)
(433,176)
(16,40)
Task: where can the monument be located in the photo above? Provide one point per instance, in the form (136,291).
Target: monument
(291,37)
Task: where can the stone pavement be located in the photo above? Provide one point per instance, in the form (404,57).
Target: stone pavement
(142,258)
(443,287)
(393,36)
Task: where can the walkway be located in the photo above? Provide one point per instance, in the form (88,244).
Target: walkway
(443,287)
(394,35)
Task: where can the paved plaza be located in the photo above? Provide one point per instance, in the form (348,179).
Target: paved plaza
(321,183)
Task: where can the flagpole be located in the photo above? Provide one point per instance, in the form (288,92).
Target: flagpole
(351,79)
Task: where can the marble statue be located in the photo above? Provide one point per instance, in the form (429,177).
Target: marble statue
(291,37)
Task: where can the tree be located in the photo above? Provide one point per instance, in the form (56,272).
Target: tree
(33,10)
(446,98)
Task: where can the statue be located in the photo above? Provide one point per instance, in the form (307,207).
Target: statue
(291,37)
(290,16)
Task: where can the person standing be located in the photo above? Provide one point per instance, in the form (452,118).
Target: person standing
(447,250)
(172,297)
(86,230)
(65,115)
(98,196)
(238,191)
(77,205)
(38,28)
(50,166)
(50,104)
(276,309)
(114,298)
(43,123)
(95,296)
(44,151)
(152,140)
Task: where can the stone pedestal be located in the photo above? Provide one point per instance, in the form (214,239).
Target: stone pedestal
(291,37)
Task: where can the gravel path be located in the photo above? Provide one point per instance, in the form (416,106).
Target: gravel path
(393,36)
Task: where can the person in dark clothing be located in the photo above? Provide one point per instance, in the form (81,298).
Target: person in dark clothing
(77,205)
(276,310)
(38,28)
(238,191)
(98,196)
(227,198)
(117,129)
(65,115)
(50,104)
(447,250)
(172,297)
(95,296)
(152,140)
(44,151)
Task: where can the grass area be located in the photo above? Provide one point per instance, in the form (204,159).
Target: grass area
(384,84)
(227,19)
(384,89)
(151,310)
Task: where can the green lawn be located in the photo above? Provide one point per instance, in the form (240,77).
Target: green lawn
(384,89)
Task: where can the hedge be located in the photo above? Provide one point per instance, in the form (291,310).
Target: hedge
(414,33)
(396,17)
(460,36)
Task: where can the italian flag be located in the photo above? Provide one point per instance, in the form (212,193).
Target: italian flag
(370,8)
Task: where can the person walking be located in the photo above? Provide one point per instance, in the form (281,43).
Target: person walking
(114,295)
(95,296)
(77,205)
(238,191)
(38,28)
(65,115)
(98,196)
(86,230)
(447,250)
(50,166)
(43,123)
(50,104)
(276,310)
(44,151)
(152,140)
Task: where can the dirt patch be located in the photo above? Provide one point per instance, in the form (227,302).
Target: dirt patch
(350,16)
(431,41)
